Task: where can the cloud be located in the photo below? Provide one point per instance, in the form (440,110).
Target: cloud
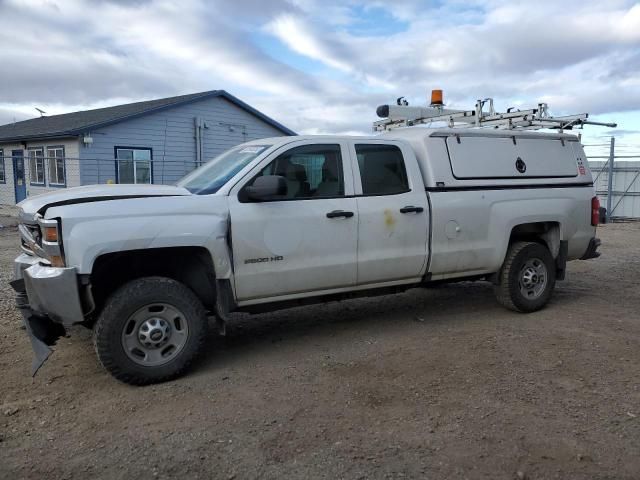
(318,66)
(300,36)
(621,131)
(10,115)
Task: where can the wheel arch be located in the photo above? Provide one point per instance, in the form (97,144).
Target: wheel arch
(192,266)
(545,232)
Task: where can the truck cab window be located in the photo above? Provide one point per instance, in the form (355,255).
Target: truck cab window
(311,171)
(382,169)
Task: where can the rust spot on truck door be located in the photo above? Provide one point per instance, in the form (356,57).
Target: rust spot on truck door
(389,220)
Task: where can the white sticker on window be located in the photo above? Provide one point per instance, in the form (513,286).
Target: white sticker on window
(252,149)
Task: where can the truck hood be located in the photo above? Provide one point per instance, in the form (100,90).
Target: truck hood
(95,193)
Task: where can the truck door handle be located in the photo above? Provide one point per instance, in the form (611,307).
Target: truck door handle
(339,213)
(411,209)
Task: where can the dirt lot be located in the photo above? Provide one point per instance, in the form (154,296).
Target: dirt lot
(439,383)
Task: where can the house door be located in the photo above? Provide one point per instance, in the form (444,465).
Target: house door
(19,184)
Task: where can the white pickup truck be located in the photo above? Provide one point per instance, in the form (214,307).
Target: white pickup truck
(282,221)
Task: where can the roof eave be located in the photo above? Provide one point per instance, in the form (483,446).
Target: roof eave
(24,138)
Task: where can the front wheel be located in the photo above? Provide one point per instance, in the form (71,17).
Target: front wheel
(150,330)
(527,277)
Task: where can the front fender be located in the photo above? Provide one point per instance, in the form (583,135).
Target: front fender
(93,229)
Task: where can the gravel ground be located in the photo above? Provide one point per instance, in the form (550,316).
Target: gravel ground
(437,383)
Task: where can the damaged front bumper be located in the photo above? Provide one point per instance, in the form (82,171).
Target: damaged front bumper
(49,300)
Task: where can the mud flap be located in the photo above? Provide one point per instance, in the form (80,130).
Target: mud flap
(592,250)
(561,260)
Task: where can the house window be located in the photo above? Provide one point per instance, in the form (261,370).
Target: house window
(56,166)
(134,165)
(3,179)
(36,166)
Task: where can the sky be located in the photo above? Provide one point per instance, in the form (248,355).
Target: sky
(322,66)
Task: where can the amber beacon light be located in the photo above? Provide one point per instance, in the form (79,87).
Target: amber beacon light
(436,97)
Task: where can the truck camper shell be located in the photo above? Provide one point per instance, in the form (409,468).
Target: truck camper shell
(459,158)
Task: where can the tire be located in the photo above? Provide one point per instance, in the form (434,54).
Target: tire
(150,330)
(527,277)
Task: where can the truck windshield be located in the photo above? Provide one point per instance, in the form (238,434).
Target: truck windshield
(215,173)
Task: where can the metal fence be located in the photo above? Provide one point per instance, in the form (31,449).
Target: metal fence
(616,173)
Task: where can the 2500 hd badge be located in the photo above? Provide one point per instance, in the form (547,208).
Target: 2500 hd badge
(277,258)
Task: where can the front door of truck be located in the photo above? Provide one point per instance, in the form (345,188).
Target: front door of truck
(393,226)
(305,240)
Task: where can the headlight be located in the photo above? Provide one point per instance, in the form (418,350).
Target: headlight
(52,241)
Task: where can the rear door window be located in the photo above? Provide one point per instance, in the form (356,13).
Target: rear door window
(382,169)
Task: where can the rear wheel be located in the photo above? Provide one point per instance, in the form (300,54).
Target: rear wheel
(150,330)
(527,277)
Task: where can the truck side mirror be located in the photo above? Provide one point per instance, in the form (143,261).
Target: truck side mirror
(267,187)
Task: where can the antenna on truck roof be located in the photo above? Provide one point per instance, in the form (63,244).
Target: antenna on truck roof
(483,115)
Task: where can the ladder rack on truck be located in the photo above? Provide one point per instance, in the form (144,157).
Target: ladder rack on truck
(403,115)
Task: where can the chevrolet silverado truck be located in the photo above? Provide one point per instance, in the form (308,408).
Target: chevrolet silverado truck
(284,221)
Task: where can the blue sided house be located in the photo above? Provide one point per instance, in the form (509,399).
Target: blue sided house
(156,141)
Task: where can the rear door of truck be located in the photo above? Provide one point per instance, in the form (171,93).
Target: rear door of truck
(393,212)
